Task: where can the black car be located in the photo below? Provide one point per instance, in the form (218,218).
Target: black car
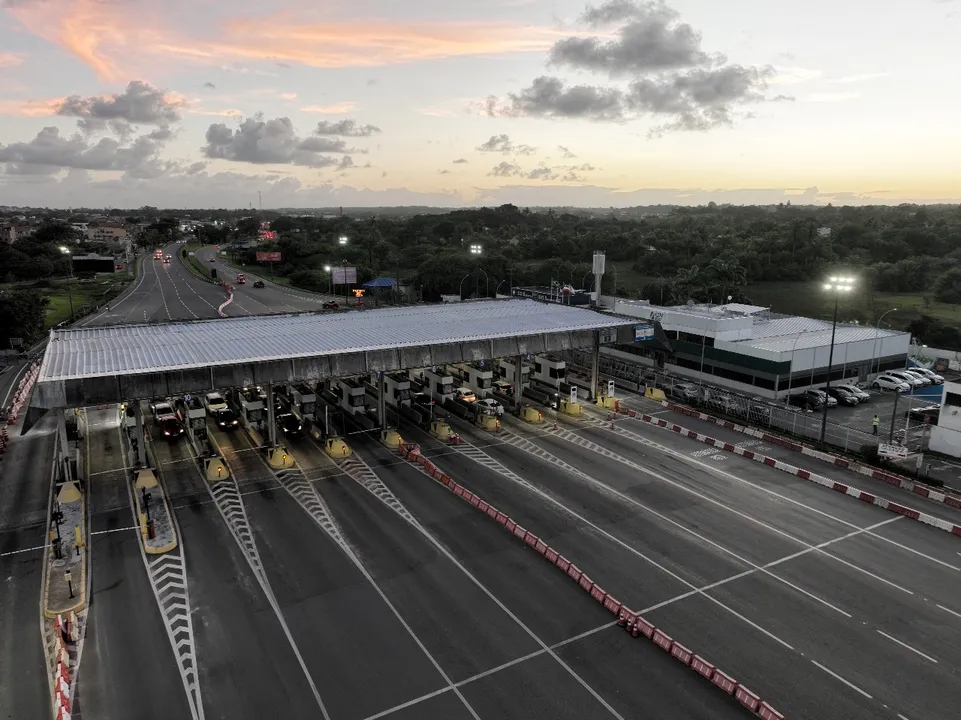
(259,284)
(928,413)
(809,400)
(226,419)
(288,423)
(170,426)
(843,396)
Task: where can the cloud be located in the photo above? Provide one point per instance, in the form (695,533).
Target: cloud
(460,161)
(8,59)
(670,78)
(127,38)
(345,128)
(565,153)
(502,144)
(846,79)
(138,104)
(30,108)
(443,172)
(210,86)
(273,142)
(50,152)
(505,169)
(288,96)
(335,109)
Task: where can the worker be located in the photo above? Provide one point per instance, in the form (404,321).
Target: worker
(874,424)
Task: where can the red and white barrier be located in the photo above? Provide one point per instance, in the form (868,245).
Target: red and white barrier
(626,618)
(890,505)
(65,631)
(918,488)
(230,298)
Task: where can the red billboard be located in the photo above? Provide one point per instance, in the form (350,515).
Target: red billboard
(268,256)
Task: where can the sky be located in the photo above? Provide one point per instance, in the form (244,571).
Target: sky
(124,103)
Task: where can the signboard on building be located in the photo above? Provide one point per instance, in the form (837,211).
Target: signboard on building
(892,452)
(643,332)
(268,256)
(343,275)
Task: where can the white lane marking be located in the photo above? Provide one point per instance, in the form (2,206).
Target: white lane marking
(838,677)
(616,540)
(493,670)
(710,468)
(754,520)
(173,284)
(902,717)
(113,530)
(24,550)
(905,645)
(949,610)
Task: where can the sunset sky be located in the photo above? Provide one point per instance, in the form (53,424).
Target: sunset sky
(122,103)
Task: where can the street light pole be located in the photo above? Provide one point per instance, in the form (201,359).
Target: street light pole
(837,285)
(460,289)
(877,332)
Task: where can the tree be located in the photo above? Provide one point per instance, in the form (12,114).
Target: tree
(948,288)
(22,315)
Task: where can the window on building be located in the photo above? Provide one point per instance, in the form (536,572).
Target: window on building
(537,368)
(557,373)
(952,399)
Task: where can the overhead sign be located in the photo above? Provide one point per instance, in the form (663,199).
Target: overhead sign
(268,256)
(344,275)
(643,332)
(892,452)
(610,388)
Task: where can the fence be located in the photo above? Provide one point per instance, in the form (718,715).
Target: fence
(799,422)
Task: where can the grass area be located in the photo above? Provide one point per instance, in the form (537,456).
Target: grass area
(86,295)
(193,265)
(809,300)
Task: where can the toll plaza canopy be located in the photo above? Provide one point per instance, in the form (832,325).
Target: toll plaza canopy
(87,366)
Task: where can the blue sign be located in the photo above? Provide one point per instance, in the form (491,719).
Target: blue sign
(643,332)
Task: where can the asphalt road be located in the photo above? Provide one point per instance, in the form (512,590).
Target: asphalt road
(848,477)
(599,656)
(24,493)
(126,640)
(847,606)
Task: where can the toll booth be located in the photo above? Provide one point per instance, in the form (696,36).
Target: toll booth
(303,400)
(194,414)
(398,388)
(549,371)
(250,406)
(350,396)
(439,384)
(479,377)
(505,371)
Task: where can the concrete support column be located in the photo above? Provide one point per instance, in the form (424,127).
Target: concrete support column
(64,448)
(382,401)
(141,445)
(595,364)
(518,382)
(271,421)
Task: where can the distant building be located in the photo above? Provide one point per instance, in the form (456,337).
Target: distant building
(107,232)
(946,435)
(752,350)
(8,233)
(824,231)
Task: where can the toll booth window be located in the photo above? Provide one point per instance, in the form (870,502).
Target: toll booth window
(538,369)
(402,394)
(557,373)
(440,388)
(952,399)
(483,382)
(356,400)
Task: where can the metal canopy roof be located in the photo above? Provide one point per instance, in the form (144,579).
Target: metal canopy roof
(116,351)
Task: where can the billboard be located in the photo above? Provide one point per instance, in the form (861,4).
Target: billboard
(643,332)
(343,275)
(268,256)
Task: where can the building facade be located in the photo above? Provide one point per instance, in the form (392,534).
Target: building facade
(751,350)
(946,435)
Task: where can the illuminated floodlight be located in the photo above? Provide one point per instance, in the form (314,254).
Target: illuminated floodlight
(840,284)
(476,249)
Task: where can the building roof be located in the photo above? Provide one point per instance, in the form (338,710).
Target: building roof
(140,349)
(786,334)
(381,282)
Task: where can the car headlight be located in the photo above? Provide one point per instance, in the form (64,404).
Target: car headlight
(166,432)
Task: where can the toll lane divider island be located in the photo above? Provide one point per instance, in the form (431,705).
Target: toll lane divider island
(890,478)
(626,618)
(854,492)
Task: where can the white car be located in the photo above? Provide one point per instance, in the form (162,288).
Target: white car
(909,378)
(930,374)
(214,402)
(490,407)
(890,382)
(465,394)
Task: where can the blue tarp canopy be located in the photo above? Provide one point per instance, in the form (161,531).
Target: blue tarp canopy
(381,282)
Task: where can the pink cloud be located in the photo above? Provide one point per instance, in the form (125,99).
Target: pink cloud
(335,109)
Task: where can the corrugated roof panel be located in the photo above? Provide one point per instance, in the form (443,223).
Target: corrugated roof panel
(132,349)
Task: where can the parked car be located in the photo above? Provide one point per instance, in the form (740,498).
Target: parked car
(890,382)
(861,395)
(929,412)
(258,284)
(503,387)
(930,374)
(685,392)
(465,394)
(811,399)
(490,406)
(722,401)
(843,396)
(909,378)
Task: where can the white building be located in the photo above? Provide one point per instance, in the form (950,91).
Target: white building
(752,350)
